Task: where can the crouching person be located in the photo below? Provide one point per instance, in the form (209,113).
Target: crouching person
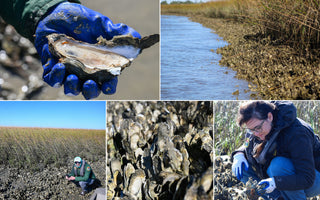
(81,174)
(281,151)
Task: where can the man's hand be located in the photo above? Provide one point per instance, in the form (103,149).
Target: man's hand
(82,24)
(239,163)
(270,184)
(71,178)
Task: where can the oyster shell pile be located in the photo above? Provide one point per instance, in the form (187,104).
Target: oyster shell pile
(19,66)
(49,183)
(101,61)
(227,186)
(159,150)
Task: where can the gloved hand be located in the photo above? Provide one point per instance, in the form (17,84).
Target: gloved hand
(82,24)
(239,163)
(270,184)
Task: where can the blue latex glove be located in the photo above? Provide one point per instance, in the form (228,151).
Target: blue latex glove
(239,164)
(82,24)
(270,184)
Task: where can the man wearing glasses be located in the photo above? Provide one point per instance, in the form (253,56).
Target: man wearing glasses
(281,151)
(81,174)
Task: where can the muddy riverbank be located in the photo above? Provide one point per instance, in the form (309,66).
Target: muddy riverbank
(274,70)
(48,183)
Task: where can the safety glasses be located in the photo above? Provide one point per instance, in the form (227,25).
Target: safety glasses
(256,129)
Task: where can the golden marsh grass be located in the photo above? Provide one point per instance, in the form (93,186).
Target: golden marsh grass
(37,147)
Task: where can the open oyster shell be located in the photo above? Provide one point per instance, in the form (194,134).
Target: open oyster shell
(101,61)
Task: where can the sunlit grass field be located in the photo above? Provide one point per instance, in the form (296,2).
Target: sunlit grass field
(228,135)
(216,9)
(292,22)
(35,148)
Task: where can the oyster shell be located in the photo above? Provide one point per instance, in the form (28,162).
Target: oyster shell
(137,180)
(101,61)
(227,186)
(171,154)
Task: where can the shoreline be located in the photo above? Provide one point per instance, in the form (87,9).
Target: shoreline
(274,71)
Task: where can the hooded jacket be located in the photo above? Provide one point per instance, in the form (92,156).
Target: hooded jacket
(289,137)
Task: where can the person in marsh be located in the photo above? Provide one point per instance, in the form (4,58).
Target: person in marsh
(82,175)
(36,19)
(281,151)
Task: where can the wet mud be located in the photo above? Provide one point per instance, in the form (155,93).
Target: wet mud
(159,150)
(48,183)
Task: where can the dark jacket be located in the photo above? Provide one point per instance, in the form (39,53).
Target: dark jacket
(24,15)
(83,173)
(293,139)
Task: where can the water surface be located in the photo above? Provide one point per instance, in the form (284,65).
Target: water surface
(190,69)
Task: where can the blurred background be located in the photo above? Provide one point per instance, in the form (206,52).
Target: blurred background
(228,136)
(21,70)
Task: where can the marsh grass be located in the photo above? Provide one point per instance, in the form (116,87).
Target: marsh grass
(35,148)
(228,136)
(293,22)
(217,9)
(183,9)
(290,22)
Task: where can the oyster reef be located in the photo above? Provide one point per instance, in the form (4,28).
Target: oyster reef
(227,186)
(101,61)
(159,150)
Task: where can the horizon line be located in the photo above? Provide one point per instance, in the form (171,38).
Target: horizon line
(2,126)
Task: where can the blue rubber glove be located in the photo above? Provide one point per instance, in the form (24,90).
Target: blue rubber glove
(270,184)
(82,24)
(239,164)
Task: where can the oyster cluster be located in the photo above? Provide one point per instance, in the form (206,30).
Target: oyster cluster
(101,61)
(20,77)
(159,150)
(227,186)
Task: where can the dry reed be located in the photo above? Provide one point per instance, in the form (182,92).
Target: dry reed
(34,148)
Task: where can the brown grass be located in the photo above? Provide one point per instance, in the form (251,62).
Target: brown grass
(38,147)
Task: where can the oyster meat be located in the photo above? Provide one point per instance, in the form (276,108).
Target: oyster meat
(101,61)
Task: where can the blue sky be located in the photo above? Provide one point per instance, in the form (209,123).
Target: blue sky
(54,114)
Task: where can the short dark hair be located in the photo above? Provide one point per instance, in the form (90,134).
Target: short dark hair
(254,109)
